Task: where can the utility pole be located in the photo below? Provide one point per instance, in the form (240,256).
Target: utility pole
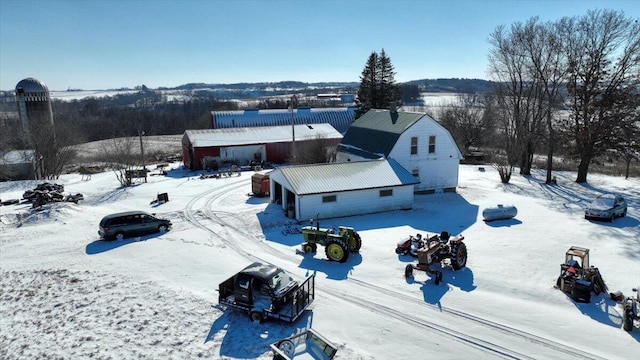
(293,130)
(144,167)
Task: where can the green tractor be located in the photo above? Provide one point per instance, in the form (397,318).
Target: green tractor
(338,243)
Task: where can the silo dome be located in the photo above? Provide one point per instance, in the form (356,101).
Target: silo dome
(31,85)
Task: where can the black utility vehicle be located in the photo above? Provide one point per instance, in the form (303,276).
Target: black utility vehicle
(131,223)
(266,291)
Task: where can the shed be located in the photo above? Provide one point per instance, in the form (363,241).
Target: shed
(342,189)
(17,165)
(211,148)
(339,117)
(415,140)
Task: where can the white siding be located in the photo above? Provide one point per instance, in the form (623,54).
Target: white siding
(242,154)
(437,171)
(354,202)
(347,203)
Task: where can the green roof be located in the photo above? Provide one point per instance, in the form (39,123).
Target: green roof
(377,131)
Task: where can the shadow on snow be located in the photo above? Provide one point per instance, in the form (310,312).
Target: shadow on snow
(244,339)
(100,246)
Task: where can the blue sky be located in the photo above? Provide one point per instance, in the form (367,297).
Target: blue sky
(108,44)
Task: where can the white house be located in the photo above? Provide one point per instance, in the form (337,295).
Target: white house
(415,140)
(341,189)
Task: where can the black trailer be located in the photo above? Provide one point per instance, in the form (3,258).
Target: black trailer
(266,291)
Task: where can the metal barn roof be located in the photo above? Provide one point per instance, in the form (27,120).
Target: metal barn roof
(383,126)
(259,135)
(339,118)
(346,176)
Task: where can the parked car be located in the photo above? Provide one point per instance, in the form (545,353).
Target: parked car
(606,206)
(131,223)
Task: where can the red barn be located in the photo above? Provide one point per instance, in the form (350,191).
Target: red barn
(212,148)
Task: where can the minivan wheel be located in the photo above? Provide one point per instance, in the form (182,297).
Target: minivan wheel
(162,228)
(119,236)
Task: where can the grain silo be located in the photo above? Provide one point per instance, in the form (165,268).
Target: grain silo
(34,106)
(36,118)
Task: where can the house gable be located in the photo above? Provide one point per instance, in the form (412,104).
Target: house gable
(419,143)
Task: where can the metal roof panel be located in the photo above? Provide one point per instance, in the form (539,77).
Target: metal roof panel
(338,177)
(259,135)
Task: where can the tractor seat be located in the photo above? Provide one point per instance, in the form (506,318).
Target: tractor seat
(444,237)
(574,264)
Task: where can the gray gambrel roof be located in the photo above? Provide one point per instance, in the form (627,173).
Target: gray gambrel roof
(377,131)
(346,176)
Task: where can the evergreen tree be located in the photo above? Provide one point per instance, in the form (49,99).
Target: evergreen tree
(377,84)
(389,91)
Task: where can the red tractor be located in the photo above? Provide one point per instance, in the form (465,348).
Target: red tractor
(442,250)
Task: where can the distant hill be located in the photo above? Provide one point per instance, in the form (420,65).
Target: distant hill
(453,85)
(427,85)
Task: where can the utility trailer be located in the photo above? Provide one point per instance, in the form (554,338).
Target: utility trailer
(266,291)
(260,185)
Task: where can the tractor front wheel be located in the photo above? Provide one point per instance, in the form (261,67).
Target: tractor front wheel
(309,247)
(458,255)
(408,271)
(438,277)
(337,250)
(355,243)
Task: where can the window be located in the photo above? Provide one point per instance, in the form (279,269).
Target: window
(414,145)
(416,173)
(386,192)
(432,144)
(329,198)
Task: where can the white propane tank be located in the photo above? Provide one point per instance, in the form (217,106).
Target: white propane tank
(500,212)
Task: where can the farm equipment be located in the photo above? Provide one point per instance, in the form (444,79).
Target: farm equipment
(308,344)
(631,310)
(577,278)
(266,291)
(338,243)
(436,250)
(411,245)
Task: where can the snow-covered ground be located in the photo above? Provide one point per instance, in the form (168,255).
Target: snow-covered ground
(66,294)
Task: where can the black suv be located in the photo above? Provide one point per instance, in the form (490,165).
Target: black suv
(131,223)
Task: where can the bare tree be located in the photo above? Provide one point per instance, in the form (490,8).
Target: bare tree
(315,151)
(603,53)
(469,120)
(544,45)
(519,96)
(122,155)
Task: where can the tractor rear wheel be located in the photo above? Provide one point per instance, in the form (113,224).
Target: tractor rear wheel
(408,271)
(337,250)
(458,255)
(355,243)
(598,284)
(627,318)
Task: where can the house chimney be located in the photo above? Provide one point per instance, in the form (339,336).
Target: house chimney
(393,107)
